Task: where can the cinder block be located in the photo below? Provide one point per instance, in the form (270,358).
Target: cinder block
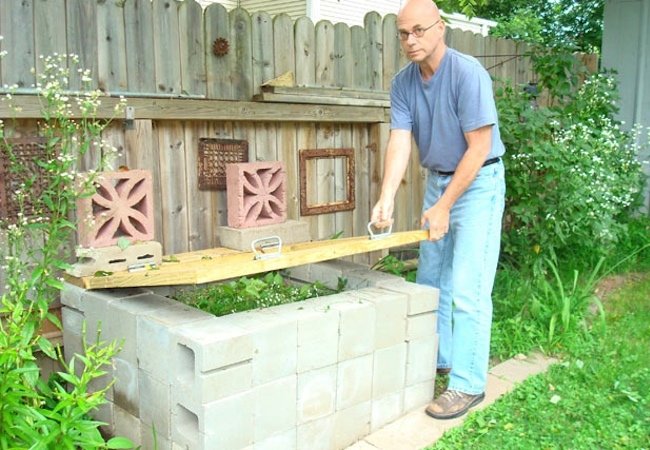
(206,387)
(354,382)
(290,232)
(389,372)
(152,439)
(155,336)
(256,194)
(122,207)
(418,395)
(362,277)
(72,295)
(316,394)
(155,404)
(316,435)
(329,272)
(421,325)
(185,428)
(104,413)
(126,393)
(421,360)
(351,425)
(390,326)
(282,441)
(386,409)
(275,408)
(115,258)
(228,424)
(127,425)
(356,328)
(422,298)
(72,320)
(213,344)
(318,340)
(275,344)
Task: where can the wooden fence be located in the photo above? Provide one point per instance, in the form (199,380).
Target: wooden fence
(160,55)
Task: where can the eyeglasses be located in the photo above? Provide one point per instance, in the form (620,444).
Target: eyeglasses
(417,32)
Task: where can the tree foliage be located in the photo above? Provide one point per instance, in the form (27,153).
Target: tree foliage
(568,24)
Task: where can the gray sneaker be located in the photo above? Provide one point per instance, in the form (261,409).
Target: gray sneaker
(453,404)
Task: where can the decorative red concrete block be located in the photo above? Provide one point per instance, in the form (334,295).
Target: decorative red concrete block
(122,207)
(256,194)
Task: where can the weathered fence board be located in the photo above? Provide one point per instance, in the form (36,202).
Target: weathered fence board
(242,63)
(263,51)
(140,63)
(305,34)
(166,47)
(81,22)
(192,51)
(219,76)
(17,28)
(283,45)
(373,26)
(111,47)
(49,36)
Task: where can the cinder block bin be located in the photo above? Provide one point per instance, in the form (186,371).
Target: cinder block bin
(328,370)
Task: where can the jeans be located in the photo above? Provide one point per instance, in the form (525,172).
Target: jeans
(462,266)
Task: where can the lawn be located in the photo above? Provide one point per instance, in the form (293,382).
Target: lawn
(597,398)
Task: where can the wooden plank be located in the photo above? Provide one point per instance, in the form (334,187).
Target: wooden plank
(265,142)
(139,145)
(219,77)
(373,25)
(220,264)
(343,220)
(305,44)
(324,100)
(263,51)
(391,50)
(113,153)
(199,203)
(140,62)
(336,91)
(284,45)
(379,134)
(222,130)
(171,148)
(49,36)
(306,139)
(288,153)
(192,49)
(192,109)
(343,62)
(81,23)
(111,47)
(17,26)
(242,48)
(166,49)
(325,72)
(364,203)
(361,72)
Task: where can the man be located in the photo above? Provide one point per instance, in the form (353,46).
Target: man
(443,99)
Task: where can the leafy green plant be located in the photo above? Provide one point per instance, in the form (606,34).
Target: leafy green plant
(394,265)
(35,246)
(248,293)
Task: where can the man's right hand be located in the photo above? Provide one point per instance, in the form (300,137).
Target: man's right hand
(382,213)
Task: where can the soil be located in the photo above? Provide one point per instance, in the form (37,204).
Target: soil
(610,284)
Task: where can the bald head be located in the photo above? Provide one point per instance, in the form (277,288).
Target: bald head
(423,9)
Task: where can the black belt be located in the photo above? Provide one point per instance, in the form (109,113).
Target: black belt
(446,174)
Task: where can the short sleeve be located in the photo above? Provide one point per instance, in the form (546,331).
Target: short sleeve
(400,114)
(476,106)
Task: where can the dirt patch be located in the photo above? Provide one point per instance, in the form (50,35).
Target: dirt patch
(608,285)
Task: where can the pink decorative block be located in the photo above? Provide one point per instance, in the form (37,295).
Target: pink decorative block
(256,194)
(122,207)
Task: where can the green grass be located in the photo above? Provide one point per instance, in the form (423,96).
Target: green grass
(598,398)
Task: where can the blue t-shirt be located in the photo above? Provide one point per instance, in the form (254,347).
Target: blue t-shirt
(456,99)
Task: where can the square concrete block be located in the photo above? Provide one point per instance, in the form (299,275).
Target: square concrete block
(155,405)
(185,427)
(72,296)
(389,372)
(390,307)
(282,441)
(126,393)
(276,353)
(418,395)
(289,232)
(422,298)
(275,408)
(104,413)
(318,341)
(229,423)
(316,394)
(356,328)
(213,344)
(196,388)
(351,424)
(421,360)
(354,382)
(72,320)
(386,409)
(361,277)
(316,435)
(127,425)
(256,194)
(122,207)
(151,438)
(421,325)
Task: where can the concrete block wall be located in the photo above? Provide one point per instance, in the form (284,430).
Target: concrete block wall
(318,374)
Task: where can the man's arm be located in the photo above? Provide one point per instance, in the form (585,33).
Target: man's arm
(479,144)
(398,153)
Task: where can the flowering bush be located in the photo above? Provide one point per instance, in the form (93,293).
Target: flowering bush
(573,174)
(35,246)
